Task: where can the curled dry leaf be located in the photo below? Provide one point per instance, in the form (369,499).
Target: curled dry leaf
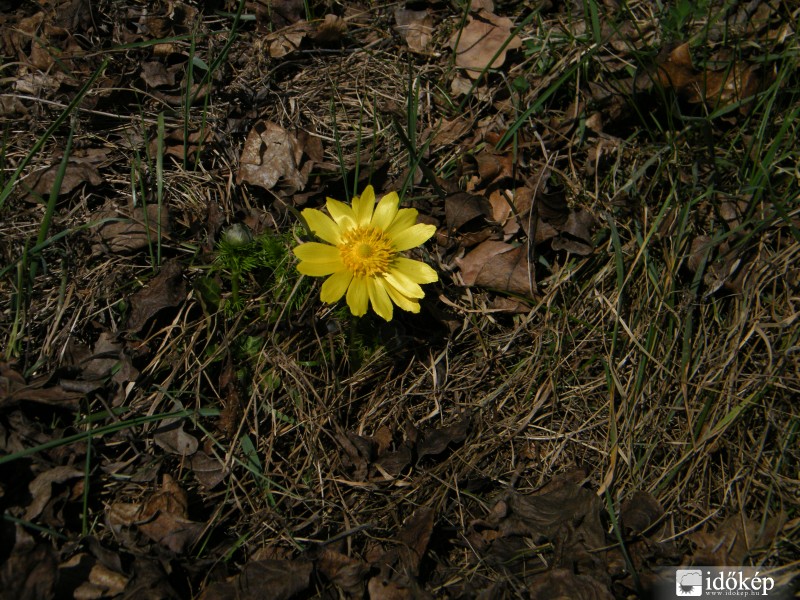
(347,573)
(167,289)
(172,438)
(163,517)
(268,578)
(131,234)
(499,266)
(271,154)
(331,30)
(14,388)
(416,27)
(463,208)
(565,583)
(76,174)
(287,40)
(716,88)
(41,488)
(732,541)
(640,512)
(30,570)
(436,441)
(485,37)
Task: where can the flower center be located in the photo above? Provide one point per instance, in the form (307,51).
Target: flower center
(366,251)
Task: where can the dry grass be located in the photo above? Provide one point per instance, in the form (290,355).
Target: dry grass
(665,361)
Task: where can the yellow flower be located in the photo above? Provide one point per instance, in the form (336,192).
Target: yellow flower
(362,255)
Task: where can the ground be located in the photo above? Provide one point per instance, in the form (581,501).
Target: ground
(599,387)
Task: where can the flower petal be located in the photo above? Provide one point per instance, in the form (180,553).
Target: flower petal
(357,296)
(401,301)
(405,218)
(322,225)
(403,284)
(413,236)
(378,296)
(363,206)
(335,286)
(343,215)
(415,270)
(386,211)
(319,269)
(316,252)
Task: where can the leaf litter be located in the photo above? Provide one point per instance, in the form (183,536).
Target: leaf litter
(614,282)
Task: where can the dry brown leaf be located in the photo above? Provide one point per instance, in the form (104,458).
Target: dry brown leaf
(481,39)
(131,234)
(261,579)
(167,289)
(416,27)
(287,40)
(172,438)
(41,488)
(209,470)
(463,208)
(157,74)
(575,235)
(331,30)
(30,571)
(436,441)
(162,517)
(76,174)
(449,131)
(565,583)
(14,388)
(174,140)
(563,512)
(271,154)
(716,88)
(498,266)
(347,573)
(733,540)
(640,512)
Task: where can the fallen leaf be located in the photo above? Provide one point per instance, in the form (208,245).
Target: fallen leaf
(416,28)
(171,437)
(640,512)
(449,131)
(134,233)
(14,388)
(481,39)
(732,540)
(76,174)
(331,30)
(565,583)
(162,517)
(261,579)
(167,289)
(30,571)
(575,235)
(41,488)
(286,40)
(498,266)
(563,512)
(157,74)
(436,441)
(209,470)
(347,573)
(463,208)
(717,88)
(271,154)
(176,143)
(399,566)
